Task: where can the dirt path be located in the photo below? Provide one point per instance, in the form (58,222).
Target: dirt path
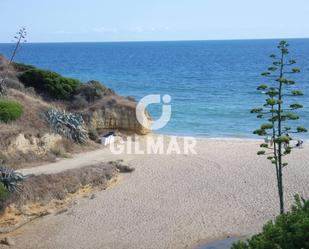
(78,161)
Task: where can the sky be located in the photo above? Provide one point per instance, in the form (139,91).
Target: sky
(153,20)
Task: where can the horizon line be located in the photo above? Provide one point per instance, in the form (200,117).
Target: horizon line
(184,40)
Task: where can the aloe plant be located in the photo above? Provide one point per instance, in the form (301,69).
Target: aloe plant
(70,125)
(10,179)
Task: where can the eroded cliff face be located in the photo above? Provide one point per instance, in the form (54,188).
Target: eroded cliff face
(29,139)
(116,113)
(20,149)
(31,144)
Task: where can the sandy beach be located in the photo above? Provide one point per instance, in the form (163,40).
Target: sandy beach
(172,201)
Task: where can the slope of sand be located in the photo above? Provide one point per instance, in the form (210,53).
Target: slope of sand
(174,201)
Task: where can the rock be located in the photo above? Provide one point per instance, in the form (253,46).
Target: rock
(29,143)
(115,113)
(121,167)
(92,196)
(8,241)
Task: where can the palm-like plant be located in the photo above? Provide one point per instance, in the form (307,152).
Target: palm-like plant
(278,112)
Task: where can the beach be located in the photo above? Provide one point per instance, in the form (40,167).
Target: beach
(173,201)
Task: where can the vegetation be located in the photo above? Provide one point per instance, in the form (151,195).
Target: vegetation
(3,196)
(69,125)
(19,38)
(10,110)
(43,188)
(93,134)
(279,113)
(289,231)
(49,83)
(88,93)
(21,67)
(92,91)
(10,179)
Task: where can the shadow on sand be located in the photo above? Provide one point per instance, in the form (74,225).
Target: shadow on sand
(219,244)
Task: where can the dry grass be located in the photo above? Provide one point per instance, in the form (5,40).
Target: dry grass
(43,194)
(33,124)
(44,188)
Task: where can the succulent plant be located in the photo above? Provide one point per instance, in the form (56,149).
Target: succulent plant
(70,125)
(10,179)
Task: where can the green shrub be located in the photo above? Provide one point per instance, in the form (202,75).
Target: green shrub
(10,110)
(49,83)
(289,231)
(20,67)
(89,92)
(93,134)
(3,196)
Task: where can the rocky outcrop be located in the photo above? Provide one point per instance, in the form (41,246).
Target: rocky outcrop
(18,150)
(28,143)
(115,112)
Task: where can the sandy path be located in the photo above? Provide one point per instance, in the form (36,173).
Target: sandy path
(174,201)
(78,161)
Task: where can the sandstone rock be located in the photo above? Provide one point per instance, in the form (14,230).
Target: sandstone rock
(121,167)
(28,143)
(117,113)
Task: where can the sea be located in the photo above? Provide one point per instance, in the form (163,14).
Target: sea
(212,83)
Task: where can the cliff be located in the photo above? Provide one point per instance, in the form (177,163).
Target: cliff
(114,112)
(30,138)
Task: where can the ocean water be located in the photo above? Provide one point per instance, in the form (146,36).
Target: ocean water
(212,83)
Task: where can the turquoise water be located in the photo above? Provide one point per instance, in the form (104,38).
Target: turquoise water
(212,83)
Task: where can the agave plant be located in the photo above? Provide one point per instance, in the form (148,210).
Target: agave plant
(70,125)
(10,179)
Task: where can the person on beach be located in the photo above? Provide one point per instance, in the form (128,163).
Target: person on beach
(299,144)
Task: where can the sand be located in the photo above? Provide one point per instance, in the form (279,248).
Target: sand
(172,201)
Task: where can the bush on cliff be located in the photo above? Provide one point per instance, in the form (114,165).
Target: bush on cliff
(49,83)
(289,231)
(93,134)
(10,110)
(21,67)
(88,93)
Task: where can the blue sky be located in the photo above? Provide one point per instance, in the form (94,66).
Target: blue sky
(142,20)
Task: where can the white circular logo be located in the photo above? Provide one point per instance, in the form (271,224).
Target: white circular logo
(154,99)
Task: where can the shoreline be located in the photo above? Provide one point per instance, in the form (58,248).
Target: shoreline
(227,138)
